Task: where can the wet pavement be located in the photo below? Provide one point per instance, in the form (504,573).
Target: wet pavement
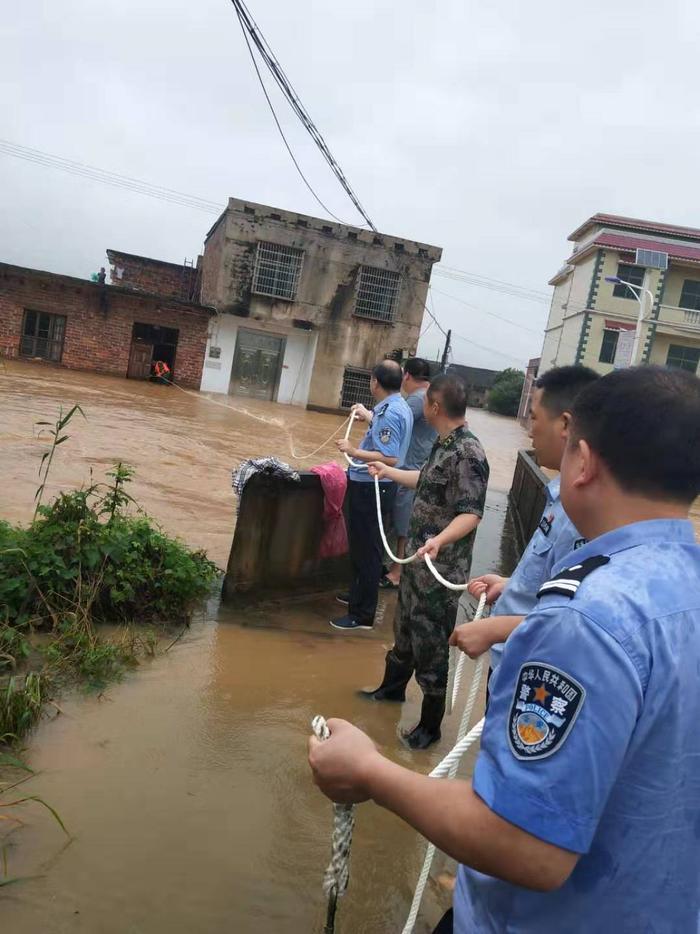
(185,787)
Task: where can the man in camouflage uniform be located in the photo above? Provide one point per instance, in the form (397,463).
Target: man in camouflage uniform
(449,504)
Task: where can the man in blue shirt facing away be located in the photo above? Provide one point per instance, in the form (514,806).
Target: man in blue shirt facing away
(416,379)
(583,812)
(386,440)
(556,536)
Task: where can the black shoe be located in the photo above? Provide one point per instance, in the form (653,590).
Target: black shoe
(348,623)
(343,598)
(427,731)
(393,686)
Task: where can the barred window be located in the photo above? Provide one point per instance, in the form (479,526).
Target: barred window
(277,270)
(356,388)
(42,335)
(377,293)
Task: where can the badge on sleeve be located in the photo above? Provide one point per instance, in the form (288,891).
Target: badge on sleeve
(385,435)
(545,705)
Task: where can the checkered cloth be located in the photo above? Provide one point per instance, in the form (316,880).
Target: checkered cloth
(267,465)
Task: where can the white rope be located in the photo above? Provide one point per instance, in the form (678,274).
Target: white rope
(335,880)
(265,421)
(457,661)
(428,560)
(447,768)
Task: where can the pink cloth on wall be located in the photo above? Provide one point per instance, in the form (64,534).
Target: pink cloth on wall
(334,538)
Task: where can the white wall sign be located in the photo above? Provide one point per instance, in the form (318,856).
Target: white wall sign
(623,352)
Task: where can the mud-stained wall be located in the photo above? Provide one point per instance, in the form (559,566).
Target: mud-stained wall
(325,296)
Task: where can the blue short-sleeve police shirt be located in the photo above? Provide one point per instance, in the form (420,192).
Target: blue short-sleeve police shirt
(389,434)
(592,743)
(553,539)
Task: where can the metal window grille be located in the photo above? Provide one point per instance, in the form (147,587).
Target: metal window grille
(42,335)
(356,388)
(277,270)
(377,293)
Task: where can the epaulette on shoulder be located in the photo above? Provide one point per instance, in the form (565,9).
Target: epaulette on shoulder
(568,581)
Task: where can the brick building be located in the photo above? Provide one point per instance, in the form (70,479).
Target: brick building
(87,325)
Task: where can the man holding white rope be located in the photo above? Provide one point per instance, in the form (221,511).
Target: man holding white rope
(386,440)
(449,504)
(582,814)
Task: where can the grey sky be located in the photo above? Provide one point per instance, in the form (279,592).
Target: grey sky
(491,130)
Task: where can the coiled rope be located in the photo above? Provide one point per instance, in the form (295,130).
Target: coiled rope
(335,880)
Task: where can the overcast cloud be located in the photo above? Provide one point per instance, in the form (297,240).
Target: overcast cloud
(491,130)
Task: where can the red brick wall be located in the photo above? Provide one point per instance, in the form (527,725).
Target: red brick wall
(99,323)
(150,275)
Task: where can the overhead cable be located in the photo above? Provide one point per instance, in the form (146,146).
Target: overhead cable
(251,30)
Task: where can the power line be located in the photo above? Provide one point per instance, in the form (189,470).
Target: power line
(479,277)
(113,179)
(492,314)
(251,29)
(275,118)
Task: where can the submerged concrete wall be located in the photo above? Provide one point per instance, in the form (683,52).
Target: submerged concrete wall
(276,542)
(527,496)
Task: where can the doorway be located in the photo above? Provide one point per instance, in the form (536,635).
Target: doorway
(257,364)
(150,344)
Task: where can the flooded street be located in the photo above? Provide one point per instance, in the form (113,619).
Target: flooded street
(185,787)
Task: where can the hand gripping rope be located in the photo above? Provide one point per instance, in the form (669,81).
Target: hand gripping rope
(335,880)
(360,465)
(336,877)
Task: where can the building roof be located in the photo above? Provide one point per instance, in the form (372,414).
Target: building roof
(148,259)
(264,212)
(476,376)
(633,223)
(629,243)
(7,269)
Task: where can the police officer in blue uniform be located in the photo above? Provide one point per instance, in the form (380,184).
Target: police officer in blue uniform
(552,401)
(386,440)
(583,814)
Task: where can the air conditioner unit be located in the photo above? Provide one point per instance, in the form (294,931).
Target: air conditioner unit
(652,259)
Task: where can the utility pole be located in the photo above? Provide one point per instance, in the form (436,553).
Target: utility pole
(443,365)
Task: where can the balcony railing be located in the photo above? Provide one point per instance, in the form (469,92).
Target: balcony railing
(685,317)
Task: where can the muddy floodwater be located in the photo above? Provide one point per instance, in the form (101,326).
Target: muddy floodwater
(185,787)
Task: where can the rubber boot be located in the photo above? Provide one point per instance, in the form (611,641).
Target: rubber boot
(393,686)
(427,731)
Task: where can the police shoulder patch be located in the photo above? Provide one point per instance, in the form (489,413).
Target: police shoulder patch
(385,435)
(546,703)
(568,581)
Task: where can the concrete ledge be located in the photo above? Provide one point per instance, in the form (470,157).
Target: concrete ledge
(276,542)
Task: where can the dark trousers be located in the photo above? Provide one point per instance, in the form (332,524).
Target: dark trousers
(365,544)
(446,925)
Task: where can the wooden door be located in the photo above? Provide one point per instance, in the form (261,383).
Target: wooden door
(140,361)
(257,363)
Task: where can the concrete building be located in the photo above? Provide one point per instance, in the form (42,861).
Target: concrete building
(305,306)
(588,316)
(88,325)
(533,368)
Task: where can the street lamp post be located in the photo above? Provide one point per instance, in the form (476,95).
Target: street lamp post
(639,294)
